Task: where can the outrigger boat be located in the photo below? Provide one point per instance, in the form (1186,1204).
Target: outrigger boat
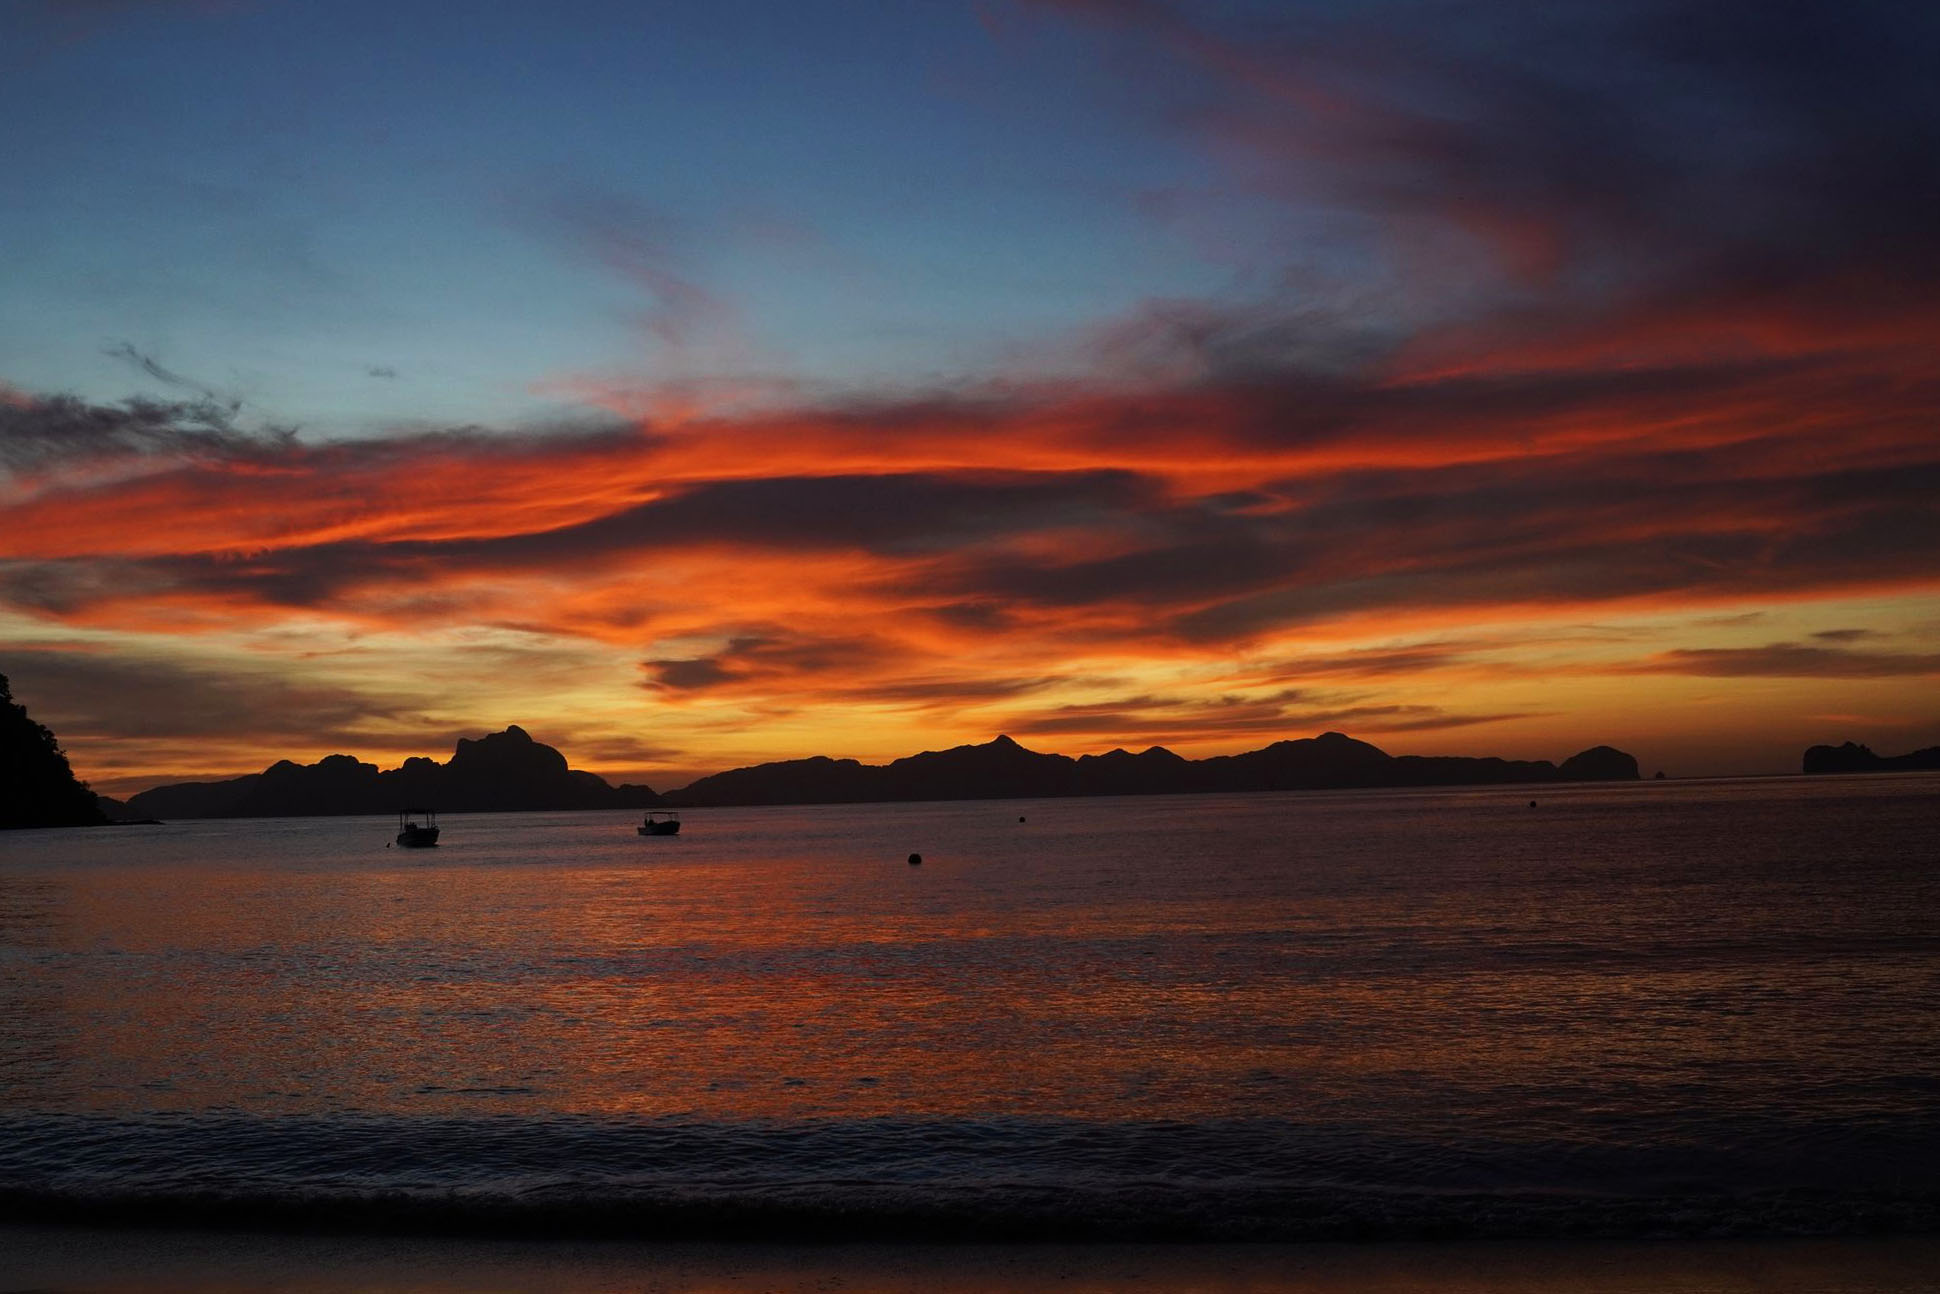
(661,824)
(415,835)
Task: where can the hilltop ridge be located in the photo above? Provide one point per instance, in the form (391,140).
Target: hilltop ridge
(1002,769)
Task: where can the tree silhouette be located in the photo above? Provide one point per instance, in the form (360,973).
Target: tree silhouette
(37,788)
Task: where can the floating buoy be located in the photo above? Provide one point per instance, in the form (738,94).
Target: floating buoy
(915,860)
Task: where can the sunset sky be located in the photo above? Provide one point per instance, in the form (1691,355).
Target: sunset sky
(695,385)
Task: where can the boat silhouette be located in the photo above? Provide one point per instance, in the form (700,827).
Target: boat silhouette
(414,834)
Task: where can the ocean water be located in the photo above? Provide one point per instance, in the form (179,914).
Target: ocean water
(1707,1008)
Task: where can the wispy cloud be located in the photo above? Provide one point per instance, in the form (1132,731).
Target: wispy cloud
(1790,660)
(1156,720)
(206,395)
(691,329)
(63,432)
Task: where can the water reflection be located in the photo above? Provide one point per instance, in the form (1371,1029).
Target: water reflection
(38,1033)
(1420,960)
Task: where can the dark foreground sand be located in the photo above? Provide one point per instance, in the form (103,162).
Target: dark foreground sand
(46,1260)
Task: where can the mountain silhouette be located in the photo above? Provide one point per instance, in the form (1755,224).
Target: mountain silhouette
(1600,764)
(500,771)
(1855,758)
(509,770)
(1002,769)
(37,788)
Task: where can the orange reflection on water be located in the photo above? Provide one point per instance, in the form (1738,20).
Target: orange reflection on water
(1316,958)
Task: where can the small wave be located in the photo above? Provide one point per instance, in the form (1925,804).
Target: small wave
(994,1179)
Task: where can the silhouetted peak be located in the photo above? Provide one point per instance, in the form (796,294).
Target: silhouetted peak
(1330,744)
(512,735)
(1001,750)
(1150,755)
(1600,764)
(512,747)
(330,766)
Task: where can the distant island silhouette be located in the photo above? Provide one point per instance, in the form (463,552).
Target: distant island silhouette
(510,771)
(1002,769)
(501,771)
(1855,758)
(37,787)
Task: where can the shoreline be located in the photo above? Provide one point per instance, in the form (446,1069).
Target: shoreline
(68,1260)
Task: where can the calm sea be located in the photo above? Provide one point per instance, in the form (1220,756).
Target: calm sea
(1658,1009)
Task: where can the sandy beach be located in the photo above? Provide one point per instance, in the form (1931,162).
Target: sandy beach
(61,1260)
